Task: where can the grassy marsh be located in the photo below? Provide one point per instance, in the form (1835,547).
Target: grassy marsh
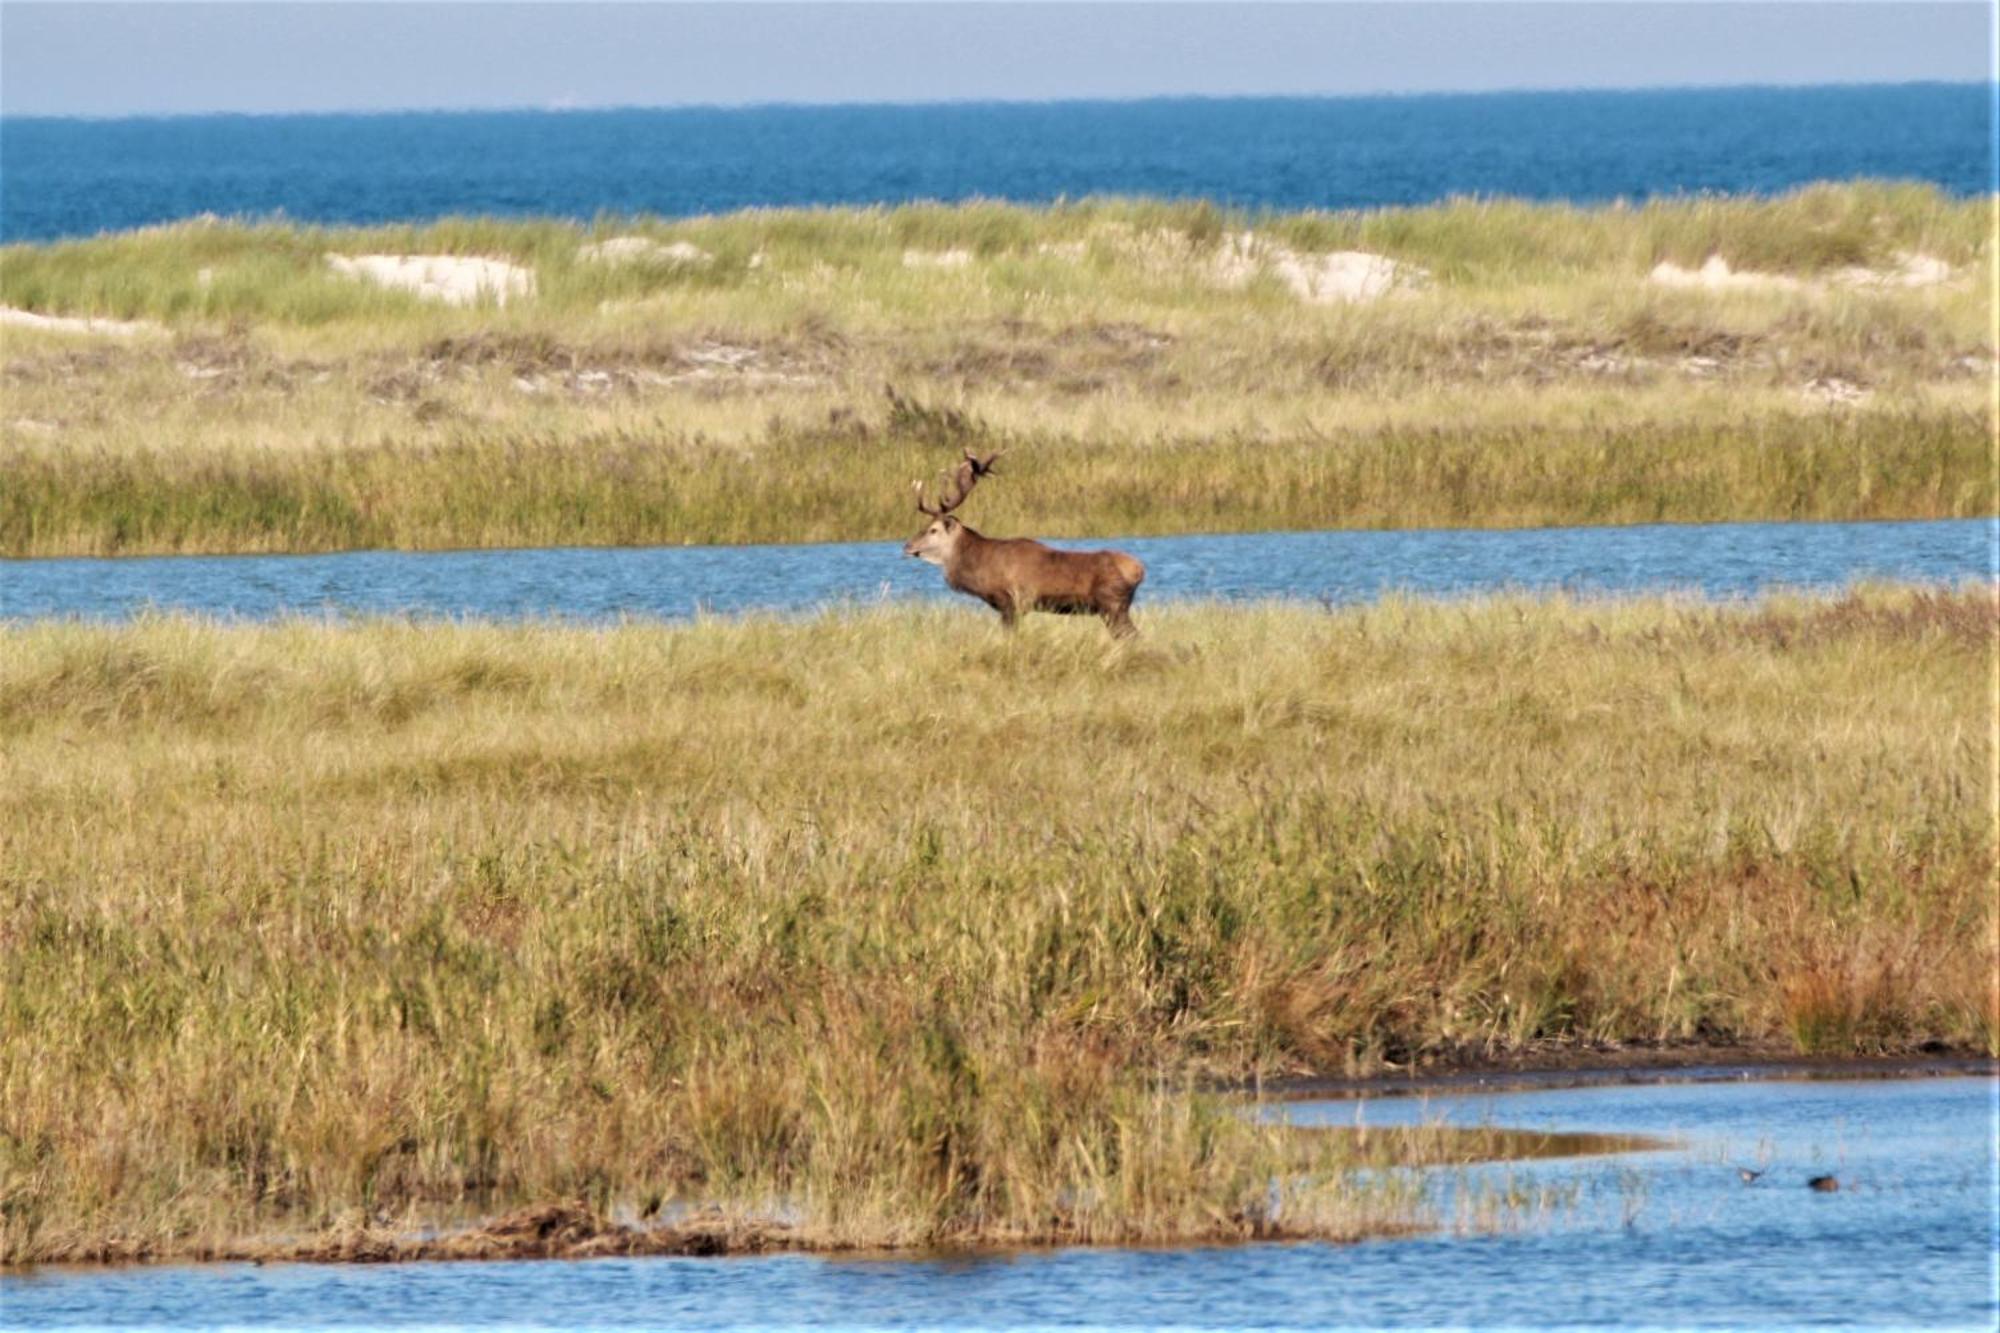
(883,929)
(1534,378)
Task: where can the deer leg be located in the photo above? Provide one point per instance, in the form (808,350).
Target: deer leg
(1117,613)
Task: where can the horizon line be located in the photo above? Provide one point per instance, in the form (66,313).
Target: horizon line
(1991,84)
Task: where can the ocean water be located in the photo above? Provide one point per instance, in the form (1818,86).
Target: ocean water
(67,177)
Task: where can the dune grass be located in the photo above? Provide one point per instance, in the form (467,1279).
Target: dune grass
(886,929)
(275,272)
(1533,377)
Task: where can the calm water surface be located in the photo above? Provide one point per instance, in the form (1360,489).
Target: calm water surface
(1659,1238)
(674,582)
(74,177)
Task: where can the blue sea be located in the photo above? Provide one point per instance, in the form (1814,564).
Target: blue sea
(63,177)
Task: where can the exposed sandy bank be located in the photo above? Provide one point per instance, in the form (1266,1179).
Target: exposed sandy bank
(448,279)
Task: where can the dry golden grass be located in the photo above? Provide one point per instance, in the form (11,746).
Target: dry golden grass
(890,930)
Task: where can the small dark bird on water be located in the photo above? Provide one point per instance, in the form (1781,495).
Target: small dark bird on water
(1824,1184)
(1749,1177)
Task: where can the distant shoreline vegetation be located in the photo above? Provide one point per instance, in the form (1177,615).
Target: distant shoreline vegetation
(1152,367)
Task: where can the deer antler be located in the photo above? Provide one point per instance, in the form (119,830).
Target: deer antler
(969,473)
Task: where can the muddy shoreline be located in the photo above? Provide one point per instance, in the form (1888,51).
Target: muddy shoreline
(1566,1065)
(576,1231)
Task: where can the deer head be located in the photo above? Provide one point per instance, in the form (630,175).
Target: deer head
(936,542)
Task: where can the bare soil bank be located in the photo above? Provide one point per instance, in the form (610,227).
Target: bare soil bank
(1543,1066)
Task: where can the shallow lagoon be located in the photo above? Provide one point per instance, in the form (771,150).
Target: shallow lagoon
(677,582)
(1666,1237)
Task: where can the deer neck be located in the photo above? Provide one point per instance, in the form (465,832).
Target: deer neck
(964,554)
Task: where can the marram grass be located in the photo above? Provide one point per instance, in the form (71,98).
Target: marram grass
(883,928)
(276,271)
(1534,378)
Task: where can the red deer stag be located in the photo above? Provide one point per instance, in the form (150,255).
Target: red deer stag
(1014,575)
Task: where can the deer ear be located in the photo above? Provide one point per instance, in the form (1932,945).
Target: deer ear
(950,523)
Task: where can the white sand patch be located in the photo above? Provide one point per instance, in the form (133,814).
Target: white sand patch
(1716,275)
(1329,279)
(1910,270)
(116,328)
(1321,279)
(936,258)
(628,249)
(1346,275)
(449,279)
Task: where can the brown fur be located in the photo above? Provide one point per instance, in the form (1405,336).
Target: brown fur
(1015,575)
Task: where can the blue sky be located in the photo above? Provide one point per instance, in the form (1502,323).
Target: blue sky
(166,58)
